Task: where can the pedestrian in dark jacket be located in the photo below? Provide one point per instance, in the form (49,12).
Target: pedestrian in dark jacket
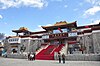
(34,56)
(63,58)
(59,57)
(29,56)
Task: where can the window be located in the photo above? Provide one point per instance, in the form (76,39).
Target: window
(58,31)
(24,40)
(64,30)
(89,36)
(68,30)
(16,39)
(45,36)
(80,38)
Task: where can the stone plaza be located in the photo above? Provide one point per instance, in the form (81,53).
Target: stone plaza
(25,62)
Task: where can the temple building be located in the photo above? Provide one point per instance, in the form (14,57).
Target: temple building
(63,37)
(62,33)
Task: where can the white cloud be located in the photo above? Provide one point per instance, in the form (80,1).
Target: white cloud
(95,7)
(76,9)
(92,11)
(4,4)
(80,4)
(91,1)
(39,28)
(1,16)
(5,23)
(65,6)
(94,2)
(95,22)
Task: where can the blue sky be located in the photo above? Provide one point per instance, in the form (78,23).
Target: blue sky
(35,13)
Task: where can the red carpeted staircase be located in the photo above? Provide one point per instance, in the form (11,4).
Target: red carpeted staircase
(48,53)
(57,49)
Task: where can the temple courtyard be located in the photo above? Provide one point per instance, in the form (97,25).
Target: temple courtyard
(25,62)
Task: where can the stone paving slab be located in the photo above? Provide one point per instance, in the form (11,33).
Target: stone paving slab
(25,62)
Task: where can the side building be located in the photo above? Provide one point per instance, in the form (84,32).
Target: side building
(89,36)
(23,43)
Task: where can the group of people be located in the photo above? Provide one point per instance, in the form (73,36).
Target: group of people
(61,57)
(31,56)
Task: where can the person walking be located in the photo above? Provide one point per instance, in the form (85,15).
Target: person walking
(29,56)
(34,55)
(63,58)
(59,57)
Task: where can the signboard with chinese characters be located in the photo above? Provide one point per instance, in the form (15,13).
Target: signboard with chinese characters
(72,34)
(58,35)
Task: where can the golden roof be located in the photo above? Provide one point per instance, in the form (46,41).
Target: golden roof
(23,28)
(60,23)
(57,24)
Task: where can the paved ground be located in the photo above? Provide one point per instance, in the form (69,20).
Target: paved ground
(25,62)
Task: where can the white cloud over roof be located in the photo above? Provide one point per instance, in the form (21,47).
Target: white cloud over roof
(4,4)
(39,28)
(96,22)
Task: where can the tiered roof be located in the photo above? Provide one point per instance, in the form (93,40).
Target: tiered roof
(21,29)
(61,24)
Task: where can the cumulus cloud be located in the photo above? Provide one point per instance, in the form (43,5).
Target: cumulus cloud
(94,8)
(4,4)
(1,16)
(92,11)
